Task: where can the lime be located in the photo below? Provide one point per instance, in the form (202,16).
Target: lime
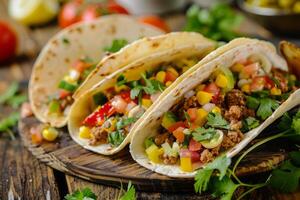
(33,12)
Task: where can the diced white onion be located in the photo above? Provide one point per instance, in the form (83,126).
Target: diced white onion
(208,107)
(155,96)
(189,94)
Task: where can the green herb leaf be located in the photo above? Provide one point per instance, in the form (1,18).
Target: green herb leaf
(296,123)
(116,138)
(9,93)
(135,92)
(216,120)
(249,123)
(224,188)
(116,45)
(17,100)
(266,108)
(285,122)
(252,102)
(121,80)
(130,194)
(84,194)
(123,122)
(202,134)
(152,86)
(100,98)
(202,179)
(148,142)
(9,122)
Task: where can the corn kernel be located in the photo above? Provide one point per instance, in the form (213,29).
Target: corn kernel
(173,71)
(216,109)
(203,97)
(120,88)
(201,116)
(146,103)
(161,76)
(275,91)
(84,132)
(221,81)
(168,83)
(246,88)
(238,67)
(50,134)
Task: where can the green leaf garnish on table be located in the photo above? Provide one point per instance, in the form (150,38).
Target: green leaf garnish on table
(11,96)
(130,193)
(116,45)
(9,122)
(84,194)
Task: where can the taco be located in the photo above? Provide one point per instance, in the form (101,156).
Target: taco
(101,119)
(71,55)
(216,109)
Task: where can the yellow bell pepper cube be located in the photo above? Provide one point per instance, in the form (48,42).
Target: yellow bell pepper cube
(161,76)
(173,71)
(201,116)
(153,153)
(168,83)
(246,88)
(216,109)
(203,97)
(275,91)
(50,134)
(146,103)
(84,132)
(238,67)
(221,81)
(186,164)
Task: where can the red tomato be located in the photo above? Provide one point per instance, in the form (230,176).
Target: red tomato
(192,112)
(194,145)
(126,96)
(269,83)
(63,94)
(212,88)
(90,13)
(170,77)
(69,13)
(251,69)
(257,84)
(174,126)
(113,7)
(8,42)
(195,156)
(179,135)
(155,21)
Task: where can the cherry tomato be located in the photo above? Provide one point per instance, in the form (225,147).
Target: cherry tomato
(194,145)
(113,7)
(90,13)
(69,13)
(174,126)
(155,21)
(8,42)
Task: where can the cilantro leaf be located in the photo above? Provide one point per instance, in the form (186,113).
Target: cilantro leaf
(9,93)
(285,178)
(296,123)
(249,123)
(135,92)
(8,122)
(202,179)
(201,134)
(221,164)
(252,102)
(17,100)
(152,86)
(223,188)
(121,80)
(125,122)
(116,45)
(266,108)
(285,122)
(216,120)
(295,157)
(130,194)
(116,138)
(84,194)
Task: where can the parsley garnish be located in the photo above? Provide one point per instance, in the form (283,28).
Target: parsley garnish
(8,123)
(11,96)
(202,134)
(84,194)
(116,138)
(265,106)
(130,193)
(249,123)
(125,122)
(216,120)
(116,45)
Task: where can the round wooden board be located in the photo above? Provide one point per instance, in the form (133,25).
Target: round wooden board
(67,156)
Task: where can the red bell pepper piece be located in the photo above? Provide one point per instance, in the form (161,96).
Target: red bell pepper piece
(97,117)
(176,125)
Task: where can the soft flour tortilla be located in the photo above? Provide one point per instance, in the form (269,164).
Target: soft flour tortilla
(66,47)
(149,125)
(82,106)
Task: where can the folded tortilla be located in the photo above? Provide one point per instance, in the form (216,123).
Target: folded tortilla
(151,126)
(71,44)
(84,105)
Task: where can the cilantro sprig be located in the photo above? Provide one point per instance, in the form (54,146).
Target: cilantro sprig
(202,134)
(216,120)
(129,194)
(116,45)
(12,97)
(83,194)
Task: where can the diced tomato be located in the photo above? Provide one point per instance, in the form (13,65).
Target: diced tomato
(195,156)
(212,88)
(126,96)
(194,145)
(257,84)
(69,13)
(170,77)
(269,83)
(97,117)
(174,126)
(63,94)
(192,112)
(119,104)
(80,66)
(155,21)
(90,13)
(113,7)
(179,135)
(185,153)
(251,69)
(36,135)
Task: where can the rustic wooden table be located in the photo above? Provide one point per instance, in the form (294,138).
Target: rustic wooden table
(22,175)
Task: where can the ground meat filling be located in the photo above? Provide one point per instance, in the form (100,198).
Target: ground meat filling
(99,136)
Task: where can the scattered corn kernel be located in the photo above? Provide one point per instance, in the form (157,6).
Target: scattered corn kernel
(246,88)
(168,83)
(238,67)
(153,153)
(173,71)
(50,134)
(221,81)
(216,109)
(84,132)
(203,97)
(186,164)
(201,116)
(161,76)
(275,91)
(146,103)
